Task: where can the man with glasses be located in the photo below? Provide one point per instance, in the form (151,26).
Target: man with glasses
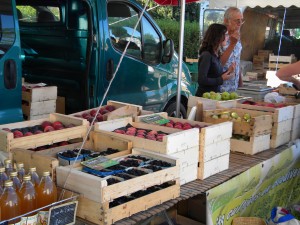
(231,53)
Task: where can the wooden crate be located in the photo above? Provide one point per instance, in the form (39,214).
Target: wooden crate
(40,94)
(282,127)
(176,140)
(258,60)
(250,76)
(61,105)
(36,117)
(291,99)
(96,188)
(46,160)
(260,122)
(265,54)
(278,114)
(282,61)
(283,90)
(213,166)
(255,145)
(209,104)
(102,214)
(39,108)
(8,142)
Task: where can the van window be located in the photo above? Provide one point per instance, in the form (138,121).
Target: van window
(7,27)
(38,14)
(145,43)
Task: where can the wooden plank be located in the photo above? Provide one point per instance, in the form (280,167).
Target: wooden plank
(37,117)
(295,133)
(188,173)
(61,105)
(39,108)
(281,139)
(255,145)
(209,168)
(282,127)
(40,94)
(215,150)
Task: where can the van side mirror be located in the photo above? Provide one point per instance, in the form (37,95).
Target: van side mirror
(168,51)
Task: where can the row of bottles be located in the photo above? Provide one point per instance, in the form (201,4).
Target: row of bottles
(19,197)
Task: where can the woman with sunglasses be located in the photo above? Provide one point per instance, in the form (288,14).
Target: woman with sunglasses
(210,69)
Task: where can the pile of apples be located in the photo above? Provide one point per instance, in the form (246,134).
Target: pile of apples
(182,126)
(141,133)
(265,104)
(45,127)
(232,116)
(220,96)
(89,115)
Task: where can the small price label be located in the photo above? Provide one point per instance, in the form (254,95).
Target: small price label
(64,214)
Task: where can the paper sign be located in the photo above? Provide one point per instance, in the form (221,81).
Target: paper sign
(64,214)
(155,119)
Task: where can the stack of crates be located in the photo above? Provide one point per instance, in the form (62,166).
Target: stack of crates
(38,101)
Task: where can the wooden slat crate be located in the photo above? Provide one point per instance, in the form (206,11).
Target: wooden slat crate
(176,140)
(282,61)
(279,140)
(8,142)
(97,189)
(283,90)
(278,114)
(265,54)
(251,147)
(213,138)
(46,160)
(39,108)
(36,117)
(295,133)
(209,104)
(40,94)
(250,76)
(102,214)
(260,122)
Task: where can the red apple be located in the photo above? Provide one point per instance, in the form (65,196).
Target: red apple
(17,134)
(152,132)
(28,134)
(100,118)
(57,123)
(45,124)
(110,108)
(93,112)
(38,132)
(58,127)
(169,125)
(85,115)
(119,131)
(133,129)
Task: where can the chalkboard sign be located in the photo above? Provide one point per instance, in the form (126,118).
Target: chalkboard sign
(64,214)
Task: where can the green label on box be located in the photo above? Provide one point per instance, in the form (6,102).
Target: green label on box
(155,119)
(99,163)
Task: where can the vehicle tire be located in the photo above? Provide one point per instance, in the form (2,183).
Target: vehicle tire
(171,110)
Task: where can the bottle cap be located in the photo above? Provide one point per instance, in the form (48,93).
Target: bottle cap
(8,183)
(13,174)
(32,169)
(26,178)
(46,173)
(20,165)
(2,169)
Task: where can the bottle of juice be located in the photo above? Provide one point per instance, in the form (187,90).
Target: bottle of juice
(13,176)
(8,166)
(35,179)
(3,176)
(21,170)
(9,203)
(27,196)
(46,191)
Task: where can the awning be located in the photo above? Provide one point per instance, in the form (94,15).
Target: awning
(253,3)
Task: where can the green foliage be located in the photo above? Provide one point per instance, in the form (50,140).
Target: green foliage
(171,30)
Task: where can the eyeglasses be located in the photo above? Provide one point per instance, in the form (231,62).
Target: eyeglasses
(239,21)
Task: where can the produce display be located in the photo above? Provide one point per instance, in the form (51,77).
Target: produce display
(265,104)
(233,116)
(183,126)
(142,133)
(220,96)
(89,115)
(44,127)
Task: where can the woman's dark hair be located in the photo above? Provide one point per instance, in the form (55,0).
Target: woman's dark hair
(212,37)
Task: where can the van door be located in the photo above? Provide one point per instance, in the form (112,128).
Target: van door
(10,65)
(141,78)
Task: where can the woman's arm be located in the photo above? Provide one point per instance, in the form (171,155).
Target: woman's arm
(286,73)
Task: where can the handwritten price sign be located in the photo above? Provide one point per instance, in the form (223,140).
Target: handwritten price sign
(64,214)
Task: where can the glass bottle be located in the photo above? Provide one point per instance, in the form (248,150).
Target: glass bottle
(9,203)
(35,179)
(28,197)
(8,166)
(3,176)
(21,170)
(46,191)
(13,176)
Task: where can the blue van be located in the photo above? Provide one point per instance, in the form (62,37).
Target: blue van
(76,45)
